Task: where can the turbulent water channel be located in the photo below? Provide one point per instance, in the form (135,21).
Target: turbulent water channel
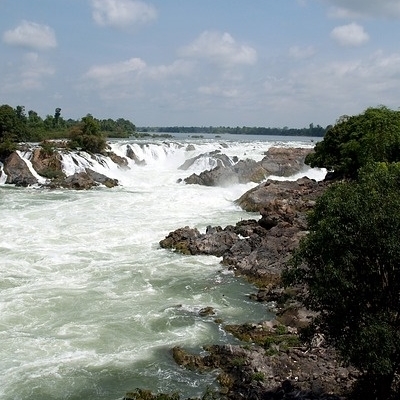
(90,304)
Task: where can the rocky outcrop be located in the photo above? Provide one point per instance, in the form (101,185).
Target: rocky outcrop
(259,248)
(284,161)
(48,165)
(216,241)
(243,171)
(295,373)
(83,181)
(277,161)
(222,160)
(17,171)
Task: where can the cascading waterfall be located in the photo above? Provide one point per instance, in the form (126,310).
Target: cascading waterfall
(90,305)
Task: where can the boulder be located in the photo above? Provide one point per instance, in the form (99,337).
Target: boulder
(79,181)
(17,171)
(122,162)
(279,196)
(102,179)
(46,163)
(283,161)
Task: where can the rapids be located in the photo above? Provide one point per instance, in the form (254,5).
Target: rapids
(90,305)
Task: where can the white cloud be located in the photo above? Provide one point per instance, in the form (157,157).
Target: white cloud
(122,13)
(365,8)
(345,87)
(220,48)
(300,53)
(109,74)
(31,35)
(350,35)
(30,74)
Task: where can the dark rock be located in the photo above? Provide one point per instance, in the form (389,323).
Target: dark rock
(17,171)
(47,164)
(79,181)
(122,162)
(190,241)
(132,155)
(102,179)
(206,311)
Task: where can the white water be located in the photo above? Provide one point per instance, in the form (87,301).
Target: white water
(90,305)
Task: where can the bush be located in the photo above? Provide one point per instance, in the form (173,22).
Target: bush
(358,140)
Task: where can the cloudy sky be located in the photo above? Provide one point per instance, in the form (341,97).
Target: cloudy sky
(267,63)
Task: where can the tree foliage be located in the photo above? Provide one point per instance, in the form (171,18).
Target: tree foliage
(350,265)
(87,136)
(12,128)
(357,140)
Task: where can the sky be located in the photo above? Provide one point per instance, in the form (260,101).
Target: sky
(269,63)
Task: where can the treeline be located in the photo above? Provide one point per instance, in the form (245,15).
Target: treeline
(29,126)
(245,130)
(88,133)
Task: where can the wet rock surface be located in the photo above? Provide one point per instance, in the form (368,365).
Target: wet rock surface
(274,364)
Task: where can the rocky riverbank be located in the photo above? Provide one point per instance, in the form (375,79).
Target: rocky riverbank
(274,364)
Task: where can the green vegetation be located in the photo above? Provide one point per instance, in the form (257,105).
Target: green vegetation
(357,140)
(350,264)
(88,134)
(12,129)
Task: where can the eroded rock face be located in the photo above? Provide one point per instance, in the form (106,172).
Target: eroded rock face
(17,171)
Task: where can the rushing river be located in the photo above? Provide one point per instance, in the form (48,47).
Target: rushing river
(90,304)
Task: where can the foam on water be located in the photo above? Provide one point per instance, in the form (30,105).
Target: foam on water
(90,305)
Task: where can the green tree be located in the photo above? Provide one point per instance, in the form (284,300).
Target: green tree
(356,140)
(350,265)
(87,136)
(12,128)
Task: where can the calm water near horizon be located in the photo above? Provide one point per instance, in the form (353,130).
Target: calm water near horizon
(90,304)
